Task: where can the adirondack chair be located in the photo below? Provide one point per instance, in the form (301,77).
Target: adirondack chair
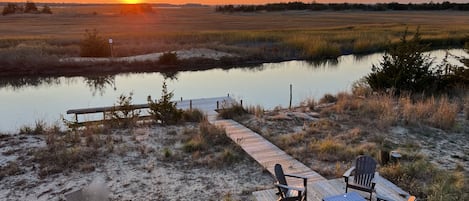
(363,175)
(286,192)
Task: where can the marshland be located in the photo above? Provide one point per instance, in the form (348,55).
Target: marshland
(189,158)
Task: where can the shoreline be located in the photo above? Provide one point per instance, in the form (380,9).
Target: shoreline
(197,62)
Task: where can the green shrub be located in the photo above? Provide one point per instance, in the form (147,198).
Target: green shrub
(405,67)
(167,152)
(163,110)
(94,45)
(168,58)
(123,113)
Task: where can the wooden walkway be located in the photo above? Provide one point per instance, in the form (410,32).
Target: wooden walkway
(267,155)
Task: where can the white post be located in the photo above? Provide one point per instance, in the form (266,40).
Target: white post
(110,46)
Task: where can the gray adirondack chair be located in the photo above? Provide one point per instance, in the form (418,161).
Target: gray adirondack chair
(286,192)
(363,175)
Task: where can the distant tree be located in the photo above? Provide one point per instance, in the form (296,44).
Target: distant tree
(405,67)
(46,10)
(30,7)
(94,45)
(10,8)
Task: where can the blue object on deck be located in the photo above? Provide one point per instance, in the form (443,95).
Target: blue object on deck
(352,196)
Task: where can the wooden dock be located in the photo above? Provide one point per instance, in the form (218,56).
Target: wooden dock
(207,105)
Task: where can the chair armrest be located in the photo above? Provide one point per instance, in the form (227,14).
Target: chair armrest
(290,187)
(375,178)
(349,172)
(295,176)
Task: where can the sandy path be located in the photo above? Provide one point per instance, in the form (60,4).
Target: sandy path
(181,54)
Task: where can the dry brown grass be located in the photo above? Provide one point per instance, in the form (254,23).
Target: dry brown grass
(306,35)
(438,112)
(426,181)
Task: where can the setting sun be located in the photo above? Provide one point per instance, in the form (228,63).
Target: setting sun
(131,1)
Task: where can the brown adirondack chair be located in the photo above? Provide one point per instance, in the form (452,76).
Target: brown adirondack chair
(286,192)
(363,175)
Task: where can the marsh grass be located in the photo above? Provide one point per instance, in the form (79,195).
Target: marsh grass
(313,38)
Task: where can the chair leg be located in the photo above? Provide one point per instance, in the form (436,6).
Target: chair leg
(371,195)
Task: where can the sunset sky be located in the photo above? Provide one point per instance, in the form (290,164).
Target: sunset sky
(218,2)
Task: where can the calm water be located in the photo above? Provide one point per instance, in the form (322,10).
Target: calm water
(23,101)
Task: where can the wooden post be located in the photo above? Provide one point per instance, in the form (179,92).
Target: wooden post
(218,105)
(104,115)
(181,99)
(291,86)
(76,118)
(241,101)
(228,95)
(190,104)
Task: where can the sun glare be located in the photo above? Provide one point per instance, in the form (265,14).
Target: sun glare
(131,1)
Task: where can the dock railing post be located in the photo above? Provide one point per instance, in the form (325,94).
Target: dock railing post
(190,105)
(289,107)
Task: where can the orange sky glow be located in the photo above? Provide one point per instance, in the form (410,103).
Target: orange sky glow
(223,2)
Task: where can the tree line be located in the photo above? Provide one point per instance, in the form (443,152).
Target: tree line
(343,6)
(28,7)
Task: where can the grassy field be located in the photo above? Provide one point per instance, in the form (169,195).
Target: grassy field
(265,36)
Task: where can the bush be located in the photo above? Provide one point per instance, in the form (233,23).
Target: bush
(30,7)
(163,110)
(46,10)
(123,113)
(94,45)
(425,181)
(404,67)
(11,8)
(235,111)
(193,115)
(168,58)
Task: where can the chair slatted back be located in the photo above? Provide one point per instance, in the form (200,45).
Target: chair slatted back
(365,167)
(280,177)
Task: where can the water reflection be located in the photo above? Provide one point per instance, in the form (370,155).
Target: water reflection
(27,99)
(16,83)
(100,83)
